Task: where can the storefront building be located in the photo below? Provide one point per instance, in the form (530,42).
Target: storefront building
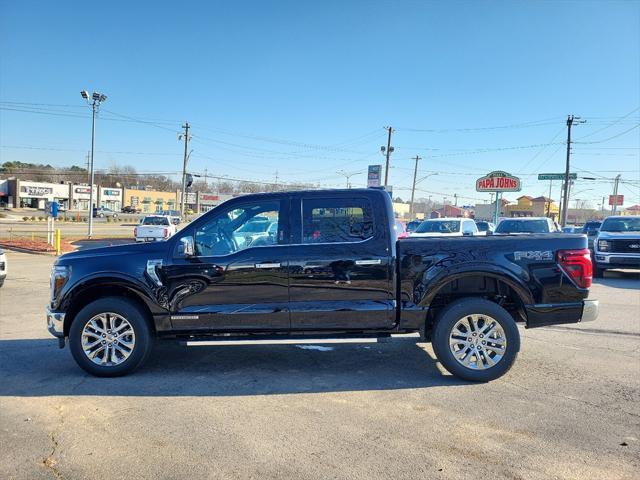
(207,201)
(149,201)
(26,194)
(80,197)
(110,198)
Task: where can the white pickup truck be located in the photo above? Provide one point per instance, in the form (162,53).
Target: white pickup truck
(153,228)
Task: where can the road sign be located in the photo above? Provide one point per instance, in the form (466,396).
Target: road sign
(556,176)
(373,175)
(498,181)
(619,201)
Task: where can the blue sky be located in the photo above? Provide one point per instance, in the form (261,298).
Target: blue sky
(305,88)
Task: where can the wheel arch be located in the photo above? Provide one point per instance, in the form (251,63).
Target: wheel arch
(103,287)
(494,284)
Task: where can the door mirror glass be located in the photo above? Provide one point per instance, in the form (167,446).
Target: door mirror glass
(186,246)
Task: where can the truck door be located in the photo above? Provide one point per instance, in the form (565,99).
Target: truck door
(340,268)
(237,277)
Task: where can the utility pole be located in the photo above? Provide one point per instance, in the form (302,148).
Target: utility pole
(602,207)
(88,165)
(95,100)
(187,137)
(205,179)
(455,199)
(387,151)
(614,207)
(413,188)
(571,119)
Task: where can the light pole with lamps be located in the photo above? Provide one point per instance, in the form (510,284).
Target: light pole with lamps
(95,100)
(413,190)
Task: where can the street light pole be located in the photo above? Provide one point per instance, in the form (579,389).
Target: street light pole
(96,99)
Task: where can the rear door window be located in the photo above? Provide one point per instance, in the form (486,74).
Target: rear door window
(336,220)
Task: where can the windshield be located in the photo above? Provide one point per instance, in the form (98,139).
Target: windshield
(439,226)
(411,226)
(590,227)
(254,227)
(523,226)
(155,221)
(631,224)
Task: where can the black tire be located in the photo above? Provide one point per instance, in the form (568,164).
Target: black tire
(597,271)
(1,282)
(136,318)
(460,309)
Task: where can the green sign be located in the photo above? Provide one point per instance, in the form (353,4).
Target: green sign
(556,176)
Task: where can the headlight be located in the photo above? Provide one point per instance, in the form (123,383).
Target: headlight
(603,245)
(59,277)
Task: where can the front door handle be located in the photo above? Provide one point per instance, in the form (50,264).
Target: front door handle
(268,265)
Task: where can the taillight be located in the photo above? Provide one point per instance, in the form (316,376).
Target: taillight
(166,233)
(135,232)
(577,264)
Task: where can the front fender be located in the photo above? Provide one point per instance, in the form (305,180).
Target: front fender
(113,280)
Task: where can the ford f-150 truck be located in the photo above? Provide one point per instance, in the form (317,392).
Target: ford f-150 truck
(333,271)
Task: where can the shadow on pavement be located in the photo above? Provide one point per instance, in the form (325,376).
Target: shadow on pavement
(620,279)
(33,368)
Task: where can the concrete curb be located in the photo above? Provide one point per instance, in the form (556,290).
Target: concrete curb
(24,250)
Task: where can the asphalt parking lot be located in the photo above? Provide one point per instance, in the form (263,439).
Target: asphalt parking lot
(570,407)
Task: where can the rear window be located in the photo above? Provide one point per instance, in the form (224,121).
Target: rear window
(439,226)
(523,226)
(336,220)
(155,221)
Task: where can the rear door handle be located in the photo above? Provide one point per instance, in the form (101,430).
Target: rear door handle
(369,262)
(268,265)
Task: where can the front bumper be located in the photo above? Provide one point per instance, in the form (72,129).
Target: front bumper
(55,323)
(617,260)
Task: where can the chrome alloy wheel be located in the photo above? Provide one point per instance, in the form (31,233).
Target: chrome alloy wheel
(108,339)
(477,342)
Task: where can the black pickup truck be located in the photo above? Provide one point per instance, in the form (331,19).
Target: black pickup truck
(317,267)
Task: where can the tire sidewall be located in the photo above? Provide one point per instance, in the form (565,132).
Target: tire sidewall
(468,306)
(136,318)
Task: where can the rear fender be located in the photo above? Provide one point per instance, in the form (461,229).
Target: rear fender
(432,286)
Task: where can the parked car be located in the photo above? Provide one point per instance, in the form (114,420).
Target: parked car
(400,229)
(571,230)
(130,209)
(4,268)
(104,212)
(335,272)
(590,229)
(153,228)
(445,227)
(485,228)
(617,244)
(526,225)
(251,231)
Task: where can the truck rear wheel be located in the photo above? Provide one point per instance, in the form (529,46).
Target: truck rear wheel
(110,337)
(476,339)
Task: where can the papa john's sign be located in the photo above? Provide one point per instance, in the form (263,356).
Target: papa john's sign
(498,181)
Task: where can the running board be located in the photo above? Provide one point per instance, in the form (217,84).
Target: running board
(413,337)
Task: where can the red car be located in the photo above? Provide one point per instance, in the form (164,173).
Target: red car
(400,229)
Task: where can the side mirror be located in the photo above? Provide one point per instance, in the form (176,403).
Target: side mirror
(186,247)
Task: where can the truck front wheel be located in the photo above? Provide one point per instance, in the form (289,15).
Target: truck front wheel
(110,337)
(476,339)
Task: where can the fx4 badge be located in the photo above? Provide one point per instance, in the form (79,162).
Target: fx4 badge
(534,255)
